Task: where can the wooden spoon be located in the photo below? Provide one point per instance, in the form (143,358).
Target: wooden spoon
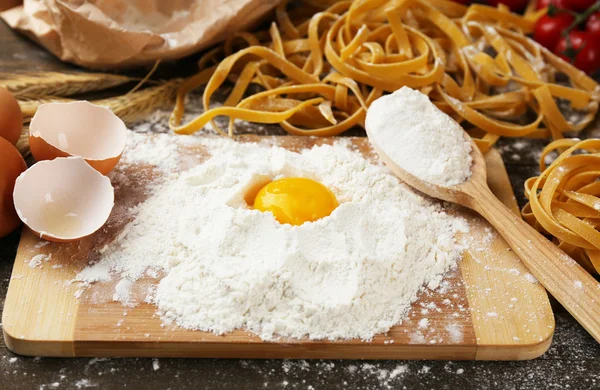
(562,276)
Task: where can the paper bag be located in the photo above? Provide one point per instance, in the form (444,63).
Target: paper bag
(126,33)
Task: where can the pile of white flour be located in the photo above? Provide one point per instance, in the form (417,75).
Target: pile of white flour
(419,137)
(350,275)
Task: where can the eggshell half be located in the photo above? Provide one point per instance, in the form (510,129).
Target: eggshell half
(78,129)
(64,199)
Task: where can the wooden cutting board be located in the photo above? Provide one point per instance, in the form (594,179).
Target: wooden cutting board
(489,308)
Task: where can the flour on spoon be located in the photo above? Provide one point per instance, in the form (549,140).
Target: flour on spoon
(419,137)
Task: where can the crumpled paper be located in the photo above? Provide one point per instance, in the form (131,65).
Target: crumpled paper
(127,33)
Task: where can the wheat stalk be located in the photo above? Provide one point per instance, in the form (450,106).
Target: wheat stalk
(30,104)
(59,84)
(23,142)
(134,106)
(130,107)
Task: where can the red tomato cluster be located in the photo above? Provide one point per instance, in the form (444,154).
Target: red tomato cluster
(570,29)
(573,5)
(519,5)
(581,44)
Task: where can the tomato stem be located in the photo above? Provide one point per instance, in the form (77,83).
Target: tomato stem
(570,52)
(553,10)
(579,18)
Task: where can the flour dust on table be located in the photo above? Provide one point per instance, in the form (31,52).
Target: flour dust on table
(223,265)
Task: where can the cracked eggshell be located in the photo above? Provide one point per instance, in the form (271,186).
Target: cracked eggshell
(64,199)
(78,129)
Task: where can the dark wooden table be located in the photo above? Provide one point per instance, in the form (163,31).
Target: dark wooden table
(573,361)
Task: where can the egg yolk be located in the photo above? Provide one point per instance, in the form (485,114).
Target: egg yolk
(296,200)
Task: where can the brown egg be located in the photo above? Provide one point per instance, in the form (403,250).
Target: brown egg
(11,118)
(78,129)
(64,199)
(8,4)
(11,166)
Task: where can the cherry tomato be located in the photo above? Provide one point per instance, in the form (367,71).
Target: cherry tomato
(557,3)
(593,23)
(542,4)
(588,59)
(579,5)
(548,29)
(514,5)
(586,48)
(577,38)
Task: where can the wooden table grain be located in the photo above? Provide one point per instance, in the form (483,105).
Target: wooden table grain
(573,360)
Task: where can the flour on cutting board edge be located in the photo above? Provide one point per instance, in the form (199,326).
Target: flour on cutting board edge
(237,289)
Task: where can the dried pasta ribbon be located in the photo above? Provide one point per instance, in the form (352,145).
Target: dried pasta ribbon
(283,20)
(475,63)
(564,201)
(490,15)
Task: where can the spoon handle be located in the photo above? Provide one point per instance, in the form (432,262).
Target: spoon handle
(562,276)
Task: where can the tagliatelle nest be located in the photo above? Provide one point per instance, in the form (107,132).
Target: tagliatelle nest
(320,69)
(564,200)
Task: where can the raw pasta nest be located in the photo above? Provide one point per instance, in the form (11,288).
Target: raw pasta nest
(322,63)
(564,201)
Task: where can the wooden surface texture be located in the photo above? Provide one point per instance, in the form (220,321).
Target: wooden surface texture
(489,308)
(573,360)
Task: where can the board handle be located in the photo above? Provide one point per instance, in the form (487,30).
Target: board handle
(562,276)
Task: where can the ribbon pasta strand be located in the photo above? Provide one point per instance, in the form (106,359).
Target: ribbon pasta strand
(564,201)
(321,64)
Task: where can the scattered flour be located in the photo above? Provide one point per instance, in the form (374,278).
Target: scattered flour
(37,260)
(96,360)
(85,383)
(419,137)
(41,244)
(123,291)
(385,377)
(417,338)
(398,371)
(156,149)
(350,275)
(456,333)
(530,278)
